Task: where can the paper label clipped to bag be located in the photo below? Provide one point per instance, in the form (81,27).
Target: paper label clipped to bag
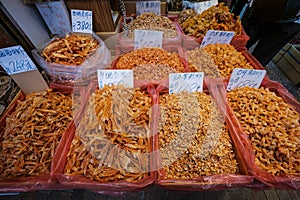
(191,82)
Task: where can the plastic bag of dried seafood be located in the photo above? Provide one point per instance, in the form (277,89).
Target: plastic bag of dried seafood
(172,34)
(30,131)
(267,121)
(150,65)
(196,149)
(110,147)
(66,58)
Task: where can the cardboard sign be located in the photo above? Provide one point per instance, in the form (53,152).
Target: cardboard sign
(217,37)
(15,61)
(199,7)
(115,77)
(82,21)
(147,6)
(190,82)
(56,16)
(245,77)
(146,38)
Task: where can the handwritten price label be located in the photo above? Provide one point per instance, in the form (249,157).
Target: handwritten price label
(217,37)
(190,82)
(245,77)
(56,16)
(147,6)
(146,38)
(15,60)
(115,77)
(201,6)
(82,21)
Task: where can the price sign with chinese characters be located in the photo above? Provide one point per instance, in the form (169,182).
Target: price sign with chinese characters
(190,82)
(245,77)
(199,7)
(56,16)
(146,38)
(82,21)
(115,77)
(217,37)
(15,60)
(147,6)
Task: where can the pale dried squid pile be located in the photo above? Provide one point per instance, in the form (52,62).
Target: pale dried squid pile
(151,21)
(273,127)
(32,134)
(193,138)
(111,141)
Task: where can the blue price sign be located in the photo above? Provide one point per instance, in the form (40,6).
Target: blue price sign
(191,82)
(115,77)
(147,6)
(217,37)
(82,21)
(245,77)
(15,60)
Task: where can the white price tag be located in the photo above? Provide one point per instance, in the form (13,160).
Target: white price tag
(245,77)
(56,16)
(115,77)
(217,37)
(147,6)
(15,60)
(190,82)
(82,21)
(146,38)
(199,7)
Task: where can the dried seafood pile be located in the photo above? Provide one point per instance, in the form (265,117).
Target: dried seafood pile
(111,142)
(193,138)
(273,127)
(73,49)
(215,18)
(32,134)
(151,21)
(150,55)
